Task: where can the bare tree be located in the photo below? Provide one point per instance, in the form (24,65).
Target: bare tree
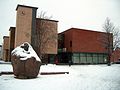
(44,35)
(44,16)
(110,39)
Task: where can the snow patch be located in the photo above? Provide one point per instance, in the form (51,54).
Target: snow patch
(80,77)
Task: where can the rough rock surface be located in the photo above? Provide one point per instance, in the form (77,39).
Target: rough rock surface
(28,67)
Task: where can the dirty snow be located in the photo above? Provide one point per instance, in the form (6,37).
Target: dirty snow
(80,77)
(25,54)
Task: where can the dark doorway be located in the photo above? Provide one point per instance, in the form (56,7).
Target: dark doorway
(64,57)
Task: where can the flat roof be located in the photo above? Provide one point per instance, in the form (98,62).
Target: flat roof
(25,6)
(11,28)
(47,19)
(73,29)
(5,37)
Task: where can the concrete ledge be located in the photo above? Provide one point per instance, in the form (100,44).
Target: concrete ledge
(5,73)
(51,73)
(42,73)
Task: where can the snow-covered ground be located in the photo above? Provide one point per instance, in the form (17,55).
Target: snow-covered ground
(80,77)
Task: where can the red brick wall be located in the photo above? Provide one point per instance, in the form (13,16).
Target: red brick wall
(115,55)
(24,24)
(84,41)
(12,37)
(49,36)
(11,40)
(6,48)
(6,42)
(68,36)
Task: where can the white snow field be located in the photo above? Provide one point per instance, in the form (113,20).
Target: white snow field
(80,77)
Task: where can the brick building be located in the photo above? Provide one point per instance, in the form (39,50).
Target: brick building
(78,45)
(115,57)
(81,46)
(28,29)
(11,40)
(0,52)
(6,48)
(25,24)
(46,39)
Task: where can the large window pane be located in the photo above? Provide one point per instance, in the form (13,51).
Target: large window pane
(75,59)
(89,59)
(100,58)
(82,59)
(95,60)
(95,55)
(89,54)
(76,54)
(105,58)
(82,54)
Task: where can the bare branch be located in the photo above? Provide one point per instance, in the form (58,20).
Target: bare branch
(44,34)
(44,16)
(112,39)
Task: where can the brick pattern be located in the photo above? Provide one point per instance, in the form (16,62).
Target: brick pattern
(48,32)
(83,41)
(23,25)
(6,48)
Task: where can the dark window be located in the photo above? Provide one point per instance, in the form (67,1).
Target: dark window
(70,43)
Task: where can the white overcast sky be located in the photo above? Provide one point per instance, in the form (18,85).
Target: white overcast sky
(86,14)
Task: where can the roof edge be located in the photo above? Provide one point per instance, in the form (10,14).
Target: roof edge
(25,6)
(81,29)
(11,28)
(47,19)
(5,37)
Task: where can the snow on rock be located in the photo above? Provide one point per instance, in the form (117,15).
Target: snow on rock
(25,62)
(25,51)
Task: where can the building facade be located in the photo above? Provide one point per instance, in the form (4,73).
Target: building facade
(11,40)
(115,57)
(77,45)
(30,29)
(0,52)
(6,48)
(25,24)
(46,38)
(81,47)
